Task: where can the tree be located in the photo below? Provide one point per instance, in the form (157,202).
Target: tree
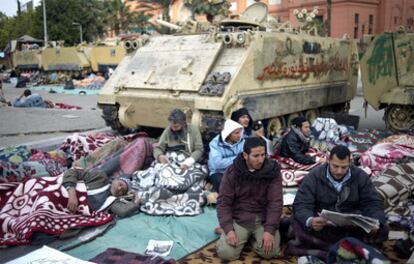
(120,19)
(208,8)
(17,26)
(155,4)
(62,14)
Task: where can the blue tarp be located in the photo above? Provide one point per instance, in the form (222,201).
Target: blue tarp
(59,89)
(133,233)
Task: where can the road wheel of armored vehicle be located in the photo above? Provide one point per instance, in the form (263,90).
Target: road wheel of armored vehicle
(311,115)
(110,115)
(399,118)
(275,127)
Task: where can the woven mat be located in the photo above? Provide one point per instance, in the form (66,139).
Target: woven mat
(208,254)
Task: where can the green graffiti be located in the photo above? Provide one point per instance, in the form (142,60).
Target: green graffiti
(381,62)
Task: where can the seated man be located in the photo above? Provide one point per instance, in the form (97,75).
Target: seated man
(180,136)
(250,203)
(27,99)
(295,144)
(341,187)
(99,189)
(224,148)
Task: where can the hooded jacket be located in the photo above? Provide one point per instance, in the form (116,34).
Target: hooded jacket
(245,195)
(358,194)
(222,153)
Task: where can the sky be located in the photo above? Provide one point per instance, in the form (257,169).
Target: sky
(9,7)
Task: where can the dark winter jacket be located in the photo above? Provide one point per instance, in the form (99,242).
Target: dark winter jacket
(245,195)
(357,195)
(293,147)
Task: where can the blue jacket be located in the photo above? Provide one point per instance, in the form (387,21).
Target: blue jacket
(33,100)
(222,154)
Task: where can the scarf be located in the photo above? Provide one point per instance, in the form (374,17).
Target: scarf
(302,137)
(269,171)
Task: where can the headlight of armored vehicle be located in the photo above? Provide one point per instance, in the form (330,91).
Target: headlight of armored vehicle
(241,38)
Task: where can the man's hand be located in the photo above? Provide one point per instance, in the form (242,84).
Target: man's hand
(268,242)
(232,239)
(163,159)
(318,223)
(184,167)
(137,199)
(72,201)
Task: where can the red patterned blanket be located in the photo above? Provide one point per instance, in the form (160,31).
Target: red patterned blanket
(39,205)
(293,172)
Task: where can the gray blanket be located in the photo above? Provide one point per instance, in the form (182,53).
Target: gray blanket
(164,189)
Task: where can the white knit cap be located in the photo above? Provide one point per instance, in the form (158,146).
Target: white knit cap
(229,127)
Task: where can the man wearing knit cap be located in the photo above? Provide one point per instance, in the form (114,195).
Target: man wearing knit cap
(100,188)
(243,117)
(250,204)
(223,150)
(180,136)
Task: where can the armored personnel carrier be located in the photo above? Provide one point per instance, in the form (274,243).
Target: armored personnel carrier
(387,71)
(274,71)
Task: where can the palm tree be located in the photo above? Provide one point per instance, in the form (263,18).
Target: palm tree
(208,8)
(155,4)
(118,17)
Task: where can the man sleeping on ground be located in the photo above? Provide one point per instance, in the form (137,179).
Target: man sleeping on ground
(54,205)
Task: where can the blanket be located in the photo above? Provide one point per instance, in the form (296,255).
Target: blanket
(81,144)
(396,187)
(294,172)
(39,205)
(20,163)
(164,189)
(115,255)
(352,250)
(382,155)
(118,158)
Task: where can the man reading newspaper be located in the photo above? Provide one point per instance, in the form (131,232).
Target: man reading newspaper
(339,187)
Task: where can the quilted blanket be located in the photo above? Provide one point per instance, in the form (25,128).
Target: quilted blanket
(39,205)
(382,155)
(164,189)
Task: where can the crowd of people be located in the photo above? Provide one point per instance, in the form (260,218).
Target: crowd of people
(247,185)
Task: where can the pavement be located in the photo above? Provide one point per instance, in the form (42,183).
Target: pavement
(41,127)
(28,125)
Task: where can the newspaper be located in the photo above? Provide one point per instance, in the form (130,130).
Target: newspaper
(159,248)
(340,219)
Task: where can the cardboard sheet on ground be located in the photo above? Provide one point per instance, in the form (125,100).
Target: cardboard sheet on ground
(59,89)
(133,233)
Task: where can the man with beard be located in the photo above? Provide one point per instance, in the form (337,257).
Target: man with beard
(295,144)
(182,137)
(250,204)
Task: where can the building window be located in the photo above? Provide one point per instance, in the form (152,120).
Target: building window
(395,20)
(370,24)
(274,2)
(356,26)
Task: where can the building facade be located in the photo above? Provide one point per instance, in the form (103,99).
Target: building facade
(351,17)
